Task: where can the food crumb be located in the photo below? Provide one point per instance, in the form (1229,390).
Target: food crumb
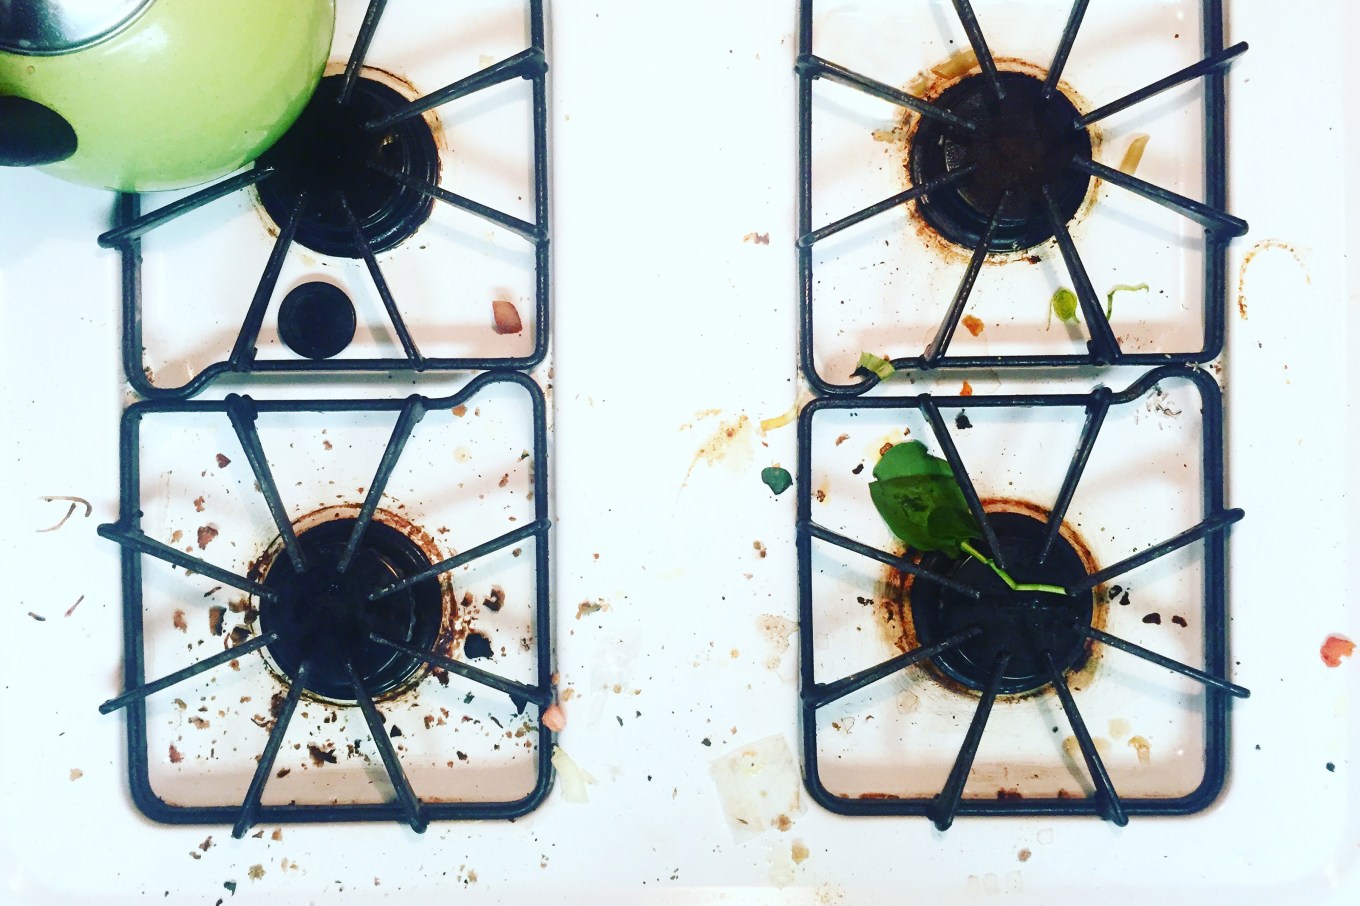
(799,851)
(198,503)
(586,608)
(842,439)
(757,238)
(961,421)
(178,621)
(760,549)
(175,536)
(277,835)
(76,774)
(1143,748)
(1023,855)
(255,872)
(460,411)
(222,461)
(554,718)
(206,533)
(37,616)
(1179,621)
(506,317)
(1336,649)
(175,755)
(973,324)
(495,600)
(966,389)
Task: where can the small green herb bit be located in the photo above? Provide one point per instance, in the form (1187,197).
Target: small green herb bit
(1064,304)
(1121,288)
(777,478)
(877,364)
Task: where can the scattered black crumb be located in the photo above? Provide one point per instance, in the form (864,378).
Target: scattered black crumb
(706,741)
(38,617)
(462,756)
(1331,766)
(319,755)
(1179,620)
(229,885)
(961,422)
(496,600)
(467,699)
(395,731)
(1124,599)
(865,601)
(1258,747)
(477,646)
(1153,618)
(857,469)
(619,719)
(1115,590)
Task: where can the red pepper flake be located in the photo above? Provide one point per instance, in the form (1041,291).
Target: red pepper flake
(506,317)
(842,439)
(974,325)
(1336,649)
(222,461)
(175,755)
(967,389)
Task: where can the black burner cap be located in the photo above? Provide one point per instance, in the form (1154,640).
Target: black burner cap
(316,320)
(329,155)
(1022,145)
(324,616)
(1028,624)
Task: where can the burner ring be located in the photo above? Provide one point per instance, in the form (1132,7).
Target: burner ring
(1022,145)
(324,616)
(329,155)
(1030,625)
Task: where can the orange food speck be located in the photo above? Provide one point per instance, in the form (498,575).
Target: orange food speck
(974,325)
(967,389)
(1336,649)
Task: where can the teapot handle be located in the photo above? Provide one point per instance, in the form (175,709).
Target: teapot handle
(32,134)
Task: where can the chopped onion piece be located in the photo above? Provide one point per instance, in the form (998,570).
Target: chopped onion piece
(1134,155)
(574,778)
(1121,288)
(779,421)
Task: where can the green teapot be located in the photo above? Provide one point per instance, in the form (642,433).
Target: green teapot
(142,95)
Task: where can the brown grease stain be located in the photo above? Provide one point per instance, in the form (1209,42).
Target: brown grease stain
(930,85)
(898,628)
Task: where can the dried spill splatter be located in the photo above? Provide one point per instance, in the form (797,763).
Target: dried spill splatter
(1266,245)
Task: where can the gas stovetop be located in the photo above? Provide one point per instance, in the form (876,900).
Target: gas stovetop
(664,619)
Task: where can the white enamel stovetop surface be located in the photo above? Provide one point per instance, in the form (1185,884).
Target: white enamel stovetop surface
(669,329)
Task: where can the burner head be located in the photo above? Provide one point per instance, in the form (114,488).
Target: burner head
(316,320)
(329,155)
(324,616)
(1022,144)
(1028,624)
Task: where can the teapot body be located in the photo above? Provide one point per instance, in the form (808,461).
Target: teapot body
(181,92)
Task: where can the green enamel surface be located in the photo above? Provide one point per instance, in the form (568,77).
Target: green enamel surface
(191,91)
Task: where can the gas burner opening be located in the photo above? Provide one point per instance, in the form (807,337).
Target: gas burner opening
(1022,145)
(330,156)
(323,615)
(1030,625)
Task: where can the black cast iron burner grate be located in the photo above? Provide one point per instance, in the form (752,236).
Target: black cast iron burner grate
(356,203)
(347,611)
(997,641)
(1001,162)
